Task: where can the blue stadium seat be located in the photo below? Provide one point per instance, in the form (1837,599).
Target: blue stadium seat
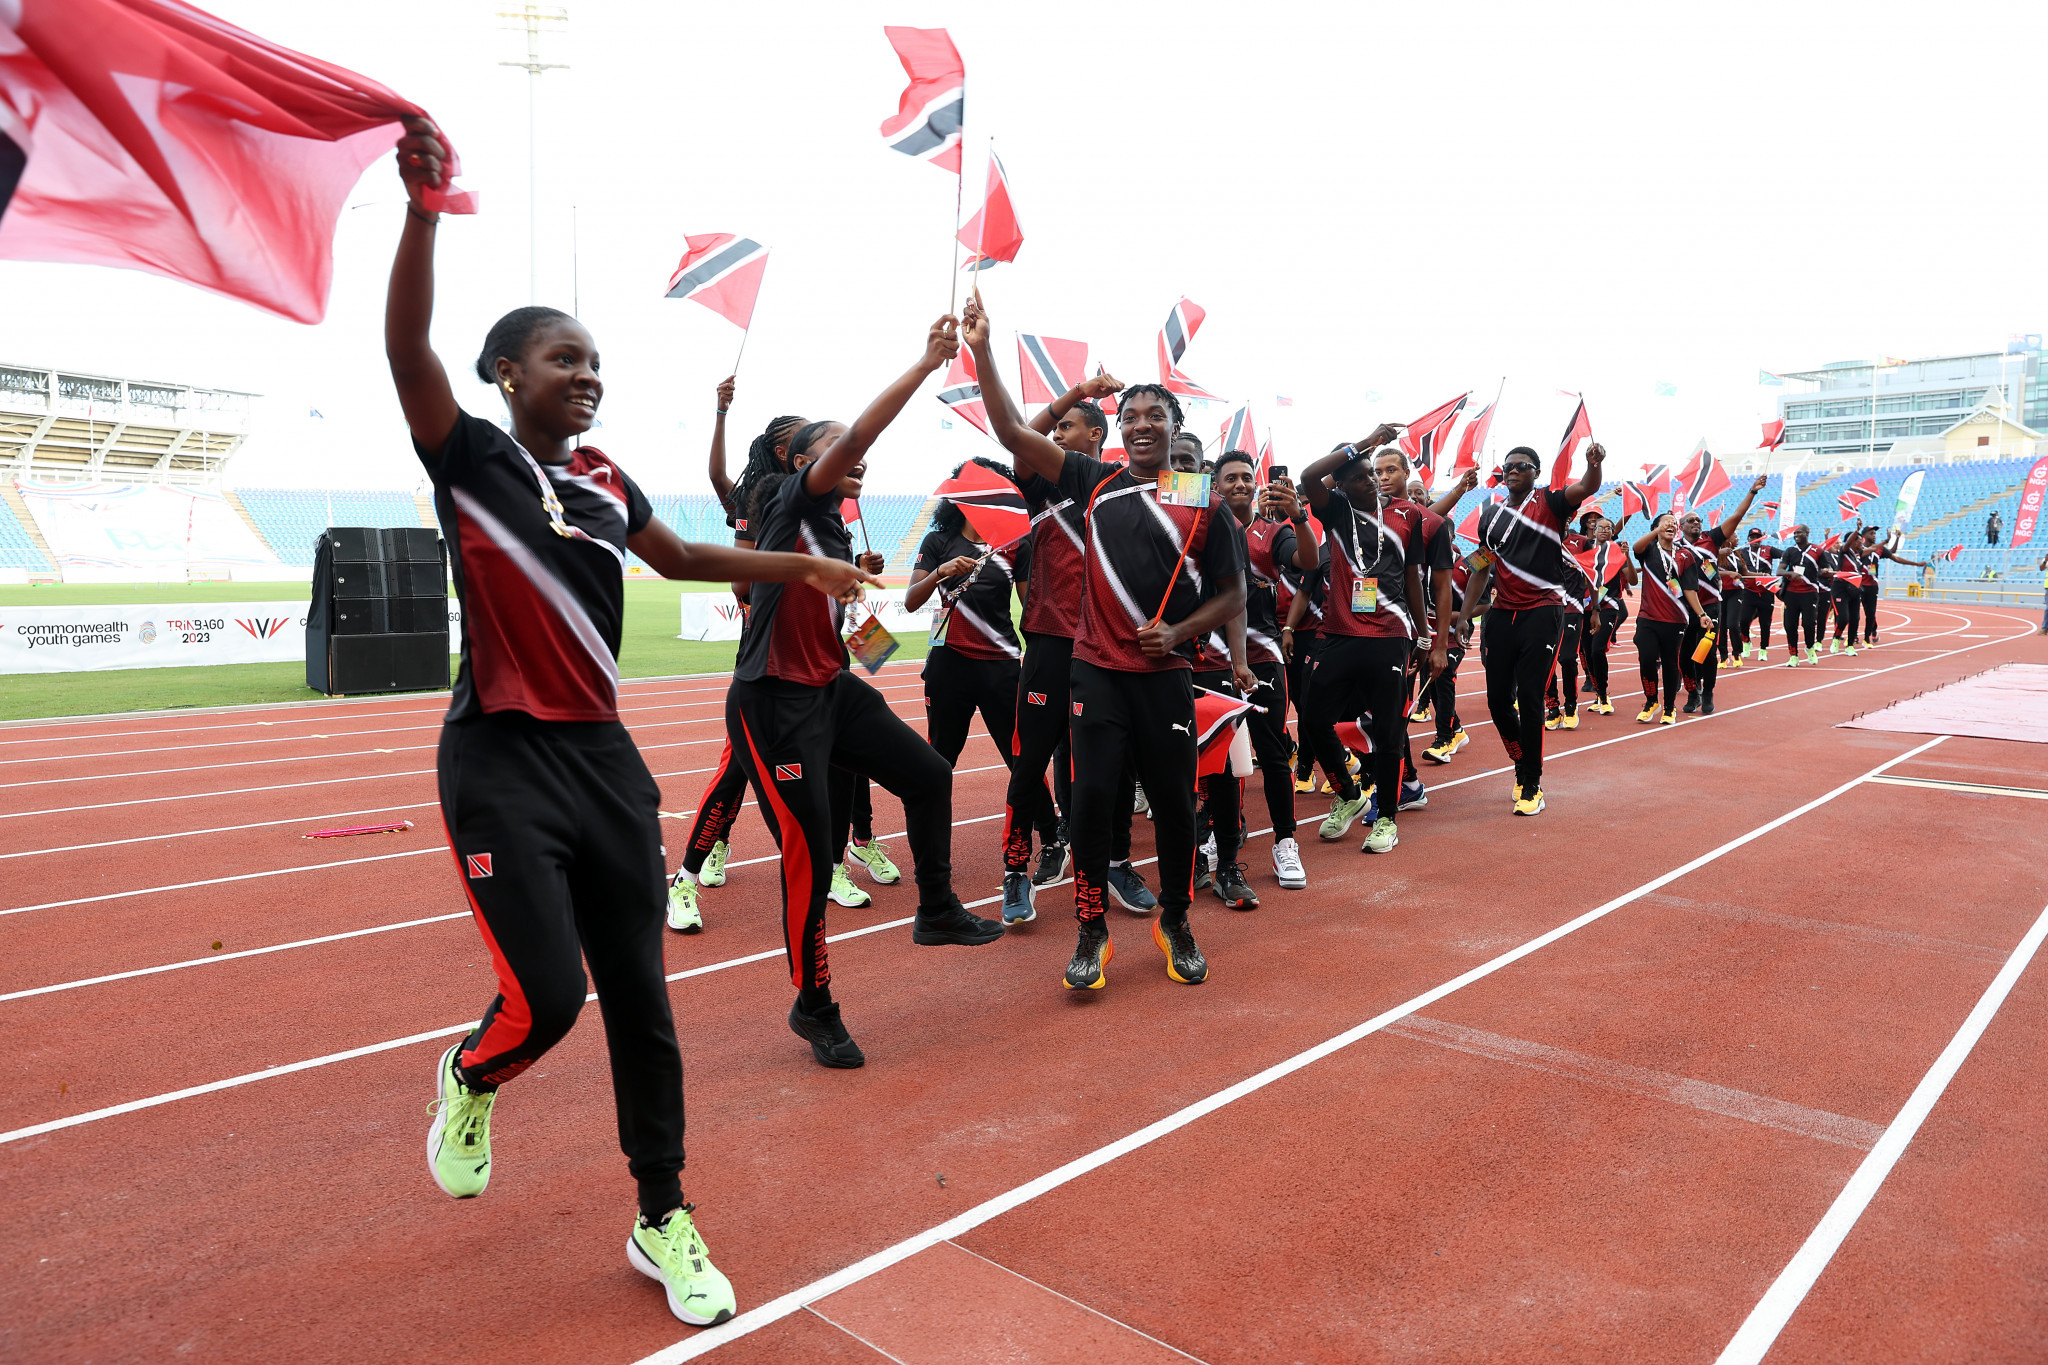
(291,519)
(17,551)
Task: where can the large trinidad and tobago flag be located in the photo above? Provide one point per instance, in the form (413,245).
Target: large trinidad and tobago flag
(1852,499)
(723,272)
(929,117)
(1576,433)
(993,504)
(1050,366)
(1700,482)
(1180,328)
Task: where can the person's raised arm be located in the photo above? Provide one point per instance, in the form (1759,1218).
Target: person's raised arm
(1035,453)
(1642,542)
(1088,390)
(1444,505)
(423,392)
(822,475)
(721,482)
(669,555)
(1734,519)
(1589,482)
(1898,558)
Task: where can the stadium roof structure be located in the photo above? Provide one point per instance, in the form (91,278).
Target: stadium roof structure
(59,427)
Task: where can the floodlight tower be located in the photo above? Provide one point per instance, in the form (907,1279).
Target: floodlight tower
(531,17)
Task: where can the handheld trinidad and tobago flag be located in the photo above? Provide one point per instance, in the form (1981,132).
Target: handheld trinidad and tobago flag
(1576,433)
(1216,719)
(933,109)
(1181,325)
(1770,510)
(961,393)
(1239,434)
(1952,553)
(1603,561)
(1050,366)
(722,271)
(149,135)
(1774,435)
(1852,499)
(1832,541)
(1700,482)
(1430,433)
(993,233)
(1641,495)
(1472,444)
(990,502)
(1265,472)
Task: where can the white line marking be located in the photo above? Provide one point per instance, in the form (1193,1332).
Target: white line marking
(1972,788)
(216,881)
(781,1307)
(217,829)
(1760,1329)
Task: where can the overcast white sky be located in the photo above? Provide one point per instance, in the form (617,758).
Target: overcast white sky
(1369,200)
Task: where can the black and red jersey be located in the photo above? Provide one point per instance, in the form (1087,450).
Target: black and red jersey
(977,610)
(1666,577)
(793,629)
(1436,551)
(1369,556)
(1527,545)
(539,557)
(1708,547)
(1806,558)
(1268,546)
(1212,651)
(1053,604)
(1852,570)
(1577,582)
(1753,567)
(1145,561)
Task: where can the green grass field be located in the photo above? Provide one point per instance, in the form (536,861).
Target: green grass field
(649,649)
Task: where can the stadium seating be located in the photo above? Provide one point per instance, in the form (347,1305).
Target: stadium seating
(889,517)
(17,551)
(291,519)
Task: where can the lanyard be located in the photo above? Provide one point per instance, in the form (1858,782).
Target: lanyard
(553,506)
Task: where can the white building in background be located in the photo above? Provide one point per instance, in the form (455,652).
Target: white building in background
(1886,411)
(62,428)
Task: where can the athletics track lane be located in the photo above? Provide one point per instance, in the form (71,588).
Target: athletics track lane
(882,1008)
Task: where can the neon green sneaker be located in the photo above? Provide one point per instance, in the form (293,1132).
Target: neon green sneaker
(1381,838)
(459,1143)
(874,856)
(1343,814)
(683,915)
(844,892)
(713,871)
(674,1254)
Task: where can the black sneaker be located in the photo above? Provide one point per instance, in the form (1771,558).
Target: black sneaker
(1017,906)
(1128,889)
(1692,703)
(1184,961)
(1092,952)
(951,923)
(1707,702)
(1053,861)
(1233,890)
(824,1031)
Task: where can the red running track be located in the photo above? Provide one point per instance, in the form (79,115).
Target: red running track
(1388,1128)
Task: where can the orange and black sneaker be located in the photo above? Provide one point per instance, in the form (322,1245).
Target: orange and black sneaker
(1184,961)
(1091,954)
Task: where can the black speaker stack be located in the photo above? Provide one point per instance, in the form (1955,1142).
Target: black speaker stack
(379,615)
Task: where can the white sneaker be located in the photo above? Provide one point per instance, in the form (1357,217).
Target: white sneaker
(844,892)
(1287,865)
(684,916)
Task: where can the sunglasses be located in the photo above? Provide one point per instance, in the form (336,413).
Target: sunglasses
(1517,464)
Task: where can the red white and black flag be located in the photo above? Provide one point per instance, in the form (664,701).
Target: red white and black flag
(1643,495)
(1266,460)
(723,272)
(961,393)
(1217,715)
(1774,435)
(991,503)
(1952,553)
(1180,328)
(1852,499)
(1576,434)
(1428,434)
(933,109)
(993,233)
(1700,482)
(1051,366)
(1472,444)
(1239,434)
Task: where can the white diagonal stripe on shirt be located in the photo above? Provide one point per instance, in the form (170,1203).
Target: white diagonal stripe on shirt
(551,588)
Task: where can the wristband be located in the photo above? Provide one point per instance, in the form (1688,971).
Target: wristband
(430,222)
(721,412)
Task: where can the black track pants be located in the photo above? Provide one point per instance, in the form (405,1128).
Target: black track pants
(1868,596)
(1766,607)
(1221,812)
(1443,695)
(1657,645)
(1359,678)
(1039,707)
(1270,748)
(1848,603)
(1298,666)
(1518,650)
(1803,615)
(1699,675)
(955,689)
(1737,611)
(1601,626)
(556,831)
(1148,721)
(1563,691)
(793,736)
(716,809)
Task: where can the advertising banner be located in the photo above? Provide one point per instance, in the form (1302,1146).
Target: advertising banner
(716,616)
(160,635)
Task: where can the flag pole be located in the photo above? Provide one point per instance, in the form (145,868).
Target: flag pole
(959,191)
(745,332)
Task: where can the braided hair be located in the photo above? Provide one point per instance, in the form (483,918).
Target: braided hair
(948,517)
(761,461)
(1172,404)
(511,335)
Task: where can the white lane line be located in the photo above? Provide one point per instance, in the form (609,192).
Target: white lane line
(1760,1329)
(217,829)
(385,928)
(270,762)
(1970,788)
(1638,1080)
(227,957)
(776,1309)
(199,796)
(217,881)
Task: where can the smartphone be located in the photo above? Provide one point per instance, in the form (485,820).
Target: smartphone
(1279,471)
